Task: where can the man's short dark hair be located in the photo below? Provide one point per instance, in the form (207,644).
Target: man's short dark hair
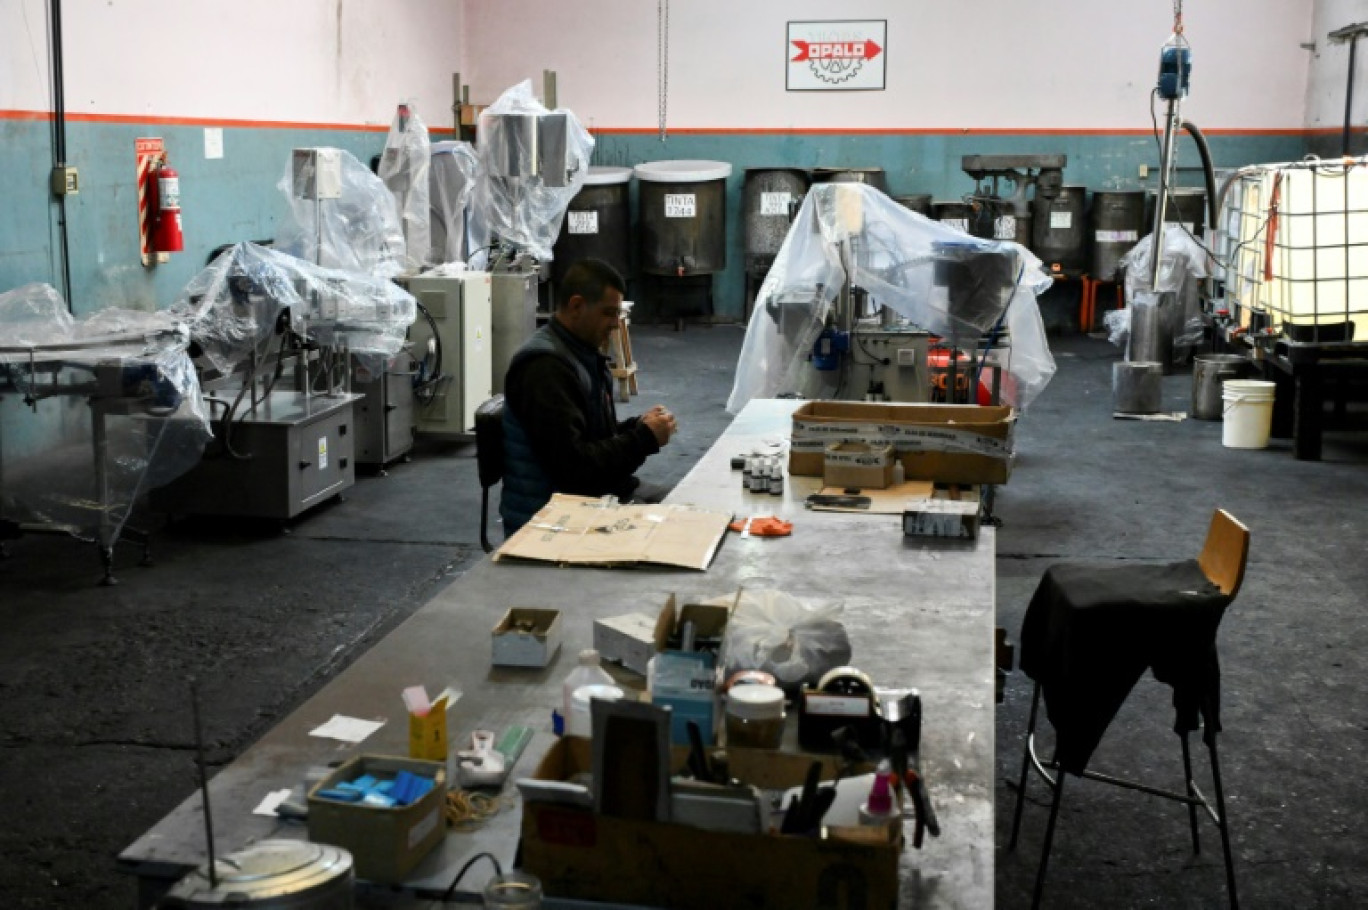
(590,279)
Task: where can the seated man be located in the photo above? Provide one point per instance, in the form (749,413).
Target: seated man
(561,432)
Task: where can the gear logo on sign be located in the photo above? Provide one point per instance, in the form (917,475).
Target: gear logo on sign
(834,62)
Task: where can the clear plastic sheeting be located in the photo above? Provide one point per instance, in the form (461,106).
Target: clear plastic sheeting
(795,642)
(404,166)
(232,307)
(100,410)
(933,276)
(344,217)
(453,173)
(532,163)
(1185,263)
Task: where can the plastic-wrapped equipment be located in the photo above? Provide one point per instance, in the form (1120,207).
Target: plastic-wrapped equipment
(532,163)
(107,407)
(404,168)
(344,217)
(233,305)
(452,175)
(1184,265)
(941,279)
(793,641)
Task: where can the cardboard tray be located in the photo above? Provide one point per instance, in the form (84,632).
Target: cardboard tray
(947,443)
(580,854)
(582,530)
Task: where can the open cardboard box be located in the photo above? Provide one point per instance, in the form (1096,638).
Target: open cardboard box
(578,853)
(699,701)
(946,443)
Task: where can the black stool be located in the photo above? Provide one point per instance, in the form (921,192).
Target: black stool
(1090,632)
(489,457)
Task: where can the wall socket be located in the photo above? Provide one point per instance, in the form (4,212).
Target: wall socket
(1144,171)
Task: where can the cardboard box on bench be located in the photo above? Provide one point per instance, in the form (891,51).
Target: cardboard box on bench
(578,853)
(947,443)
(385,844)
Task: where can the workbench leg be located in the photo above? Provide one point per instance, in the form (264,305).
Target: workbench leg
(1306,439)
(107,560)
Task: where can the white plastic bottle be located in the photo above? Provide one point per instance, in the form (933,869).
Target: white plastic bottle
(588,672)
(899,473)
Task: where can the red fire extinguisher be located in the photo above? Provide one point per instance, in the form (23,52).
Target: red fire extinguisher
(167,236)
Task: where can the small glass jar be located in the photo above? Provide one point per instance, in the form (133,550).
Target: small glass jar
(755,716)
(513,890)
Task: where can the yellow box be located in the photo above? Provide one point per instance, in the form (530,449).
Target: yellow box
(428,734)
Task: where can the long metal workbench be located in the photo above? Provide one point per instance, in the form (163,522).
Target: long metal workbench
(918,614)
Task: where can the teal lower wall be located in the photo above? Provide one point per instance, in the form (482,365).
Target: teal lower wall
(919,163)
(223,200)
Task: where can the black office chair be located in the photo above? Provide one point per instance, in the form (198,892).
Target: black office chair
(489,456)
(1090,633)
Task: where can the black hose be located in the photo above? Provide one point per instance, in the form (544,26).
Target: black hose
(1208,170)
(59,139)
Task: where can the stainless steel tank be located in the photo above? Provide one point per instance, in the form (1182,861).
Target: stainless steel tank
(1137,387)
(270,875)
(1118,222)
(597,222)
(770,193)
(682,210)
(1058,234)
(1209,373)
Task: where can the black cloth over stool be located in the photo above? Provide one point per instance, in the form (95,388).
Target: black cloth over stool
(1091,632)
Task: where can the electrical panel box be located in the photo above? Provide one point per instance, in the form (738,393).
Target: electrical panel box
(891,360)
(515,317)
(384,415)
(455,366)
(295,451)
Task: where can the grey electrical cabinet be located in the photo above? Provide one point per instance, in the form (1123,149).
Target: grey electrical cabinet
(454,365)
(384,414)
(289,454)
(515,317)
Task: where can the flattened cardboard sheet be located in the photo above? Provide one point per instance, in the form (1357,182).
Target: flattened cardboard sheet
(584,531)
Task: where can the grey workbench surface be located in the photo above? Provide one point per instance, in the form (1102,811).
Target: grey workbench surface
(918,614)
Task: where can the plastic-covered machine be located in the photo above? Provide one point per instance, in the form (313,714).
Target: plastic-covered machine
(849,237)
(532,163)
(118,385)
(404,166)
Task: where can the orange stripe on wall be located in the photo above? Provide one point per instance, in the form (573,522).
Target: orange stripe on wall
(682,131)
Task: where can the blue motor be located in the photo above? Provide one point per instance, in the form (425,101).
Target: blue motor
(828,348)
(1175,65)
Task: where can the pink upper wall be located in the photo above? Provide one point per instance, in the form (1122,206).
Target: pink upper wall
(975,64)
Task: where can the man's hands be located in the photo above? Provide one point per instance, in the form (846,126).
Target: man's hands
(661,422)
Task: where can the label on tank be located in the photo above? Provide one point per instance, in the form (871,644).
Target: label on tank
(679,205)
(1061,220)
(775,203)
(583,222)
(959,224)
(1117,236)
(1005,228)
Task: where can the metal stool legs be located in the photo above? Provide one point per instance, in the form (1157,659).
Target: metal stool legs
(1193,798)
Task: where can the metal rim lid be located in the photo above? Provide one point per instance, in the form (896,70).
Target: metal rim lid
(604,176)
(682,171)
(269,868)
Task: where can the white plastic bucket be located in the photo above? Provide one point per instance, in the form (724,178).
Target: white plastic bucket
(1248,411)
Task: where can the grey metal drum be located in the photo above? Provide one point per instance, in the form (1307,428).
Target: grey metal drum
(1137,387)
(270,875)
(916,202)
(1209,373)
(1059,234)
(874,176)
(597,222)
(1187,206)
(1118,222)
(770,194)
(682,210)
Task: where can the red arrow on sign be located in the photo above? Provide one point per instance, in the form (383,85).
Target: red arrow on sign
(835,50)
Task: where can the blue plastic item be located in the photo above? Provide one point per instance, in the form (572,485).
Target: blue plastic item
(1175,66)
(828,348)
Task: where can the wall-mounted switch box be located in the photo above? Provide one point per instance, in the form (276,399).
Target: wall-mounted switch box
(1144,171)
(65,180)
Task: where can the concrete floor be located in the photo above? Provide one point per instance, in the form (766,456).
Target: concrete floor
(95,729)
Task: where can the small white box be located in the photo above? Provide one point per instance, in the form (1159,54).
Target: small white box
(526,637)
(628,640)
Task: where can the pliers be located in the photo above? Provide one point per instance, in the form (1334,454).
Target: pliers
(904,748)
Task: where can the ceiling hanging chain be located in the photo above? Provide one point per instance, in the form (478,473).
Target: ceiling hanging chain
(662,59)
(1177,17)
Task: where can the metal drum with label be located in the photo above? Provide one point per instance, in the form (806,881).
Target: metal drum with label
(1117,220)
(1059,237)
(682,209)
(597,222)
(770,196)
